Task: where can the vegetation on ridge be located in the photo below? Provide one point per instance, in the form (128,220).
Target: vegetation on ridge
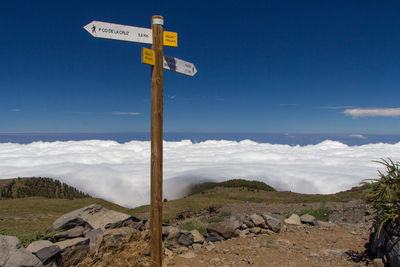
(38,187)
(257,185)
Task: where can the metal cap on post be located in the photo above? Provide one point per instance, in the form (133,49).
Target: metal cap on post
(157,23)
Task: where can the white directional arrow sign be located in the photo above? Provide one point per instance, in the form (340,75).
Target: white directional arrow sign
(119,32)
(179,65)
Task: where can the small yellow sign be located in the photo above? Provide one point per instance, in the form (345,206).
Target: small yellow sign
(171,39)
(148,56)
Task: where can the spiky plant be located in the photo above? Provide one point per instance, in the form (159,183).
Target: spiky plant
(384,193)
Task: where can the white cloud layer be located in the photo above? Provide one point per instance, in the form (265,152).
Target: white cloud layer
(120,172)
(373,112)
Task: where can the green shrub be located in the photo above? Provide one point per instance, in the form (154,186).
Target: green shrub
(224,213)
(384,193)
(193,223)
(238,183)
(215,219)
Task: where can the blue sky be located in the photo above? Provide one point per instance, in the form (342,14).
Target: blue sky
(263,66)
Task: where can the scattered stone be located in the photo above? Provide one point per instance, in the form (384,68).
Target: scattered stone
(244,226)
(44,250)
(210,246)
(379,263)
(247,221)
(188,255)
(294,219)
(168,252)
(257,220)
(196,246)
(180,250)
(213,237)
(308,219)
(186,238)
(197,237)
(272,223)
(244,232)
(255,230)
(222,230)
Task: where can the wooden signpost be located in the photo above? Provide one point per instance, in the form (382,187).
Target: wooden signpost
(154,57)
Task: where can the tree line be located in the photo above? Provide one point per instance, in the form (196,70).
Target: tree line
(39,187)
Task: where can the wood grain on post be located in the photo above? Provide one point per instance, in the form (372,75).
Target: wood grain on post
(156,142)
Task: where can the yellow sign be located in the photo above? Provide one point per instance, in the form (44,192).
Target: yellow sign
(171,39)
(148,56)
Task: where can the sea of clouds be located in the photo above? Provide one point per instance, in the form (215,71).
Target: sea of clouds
(121,172)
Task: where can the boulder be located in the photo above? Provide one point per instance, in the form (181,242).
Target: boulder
(22,258)
(308,219)
(73,250)
(222,230)
(172,235)
(294,219)
(186,238)
(96,237)
(45,250)
(116,237)
(8,244)
(272,223)
(257,220)
(94,215)
(197,237)
(171,232)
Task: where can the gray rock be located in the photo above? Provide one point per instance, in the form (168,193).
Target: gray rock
(96,237)
(257,220)
(73,250)
(308,219)
(213,237)
(44,250)
(248,222)
(78,231)
(129,222)
(222,230)
(294,219)
(233,222)
(197,237)
(255,230)
(394,255)
(116,237)
(186,238)
(272,223)
(7,245)
(94,215)
(22,258)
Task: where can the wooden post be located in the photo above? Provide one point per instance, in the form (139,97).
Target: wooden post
(156,142)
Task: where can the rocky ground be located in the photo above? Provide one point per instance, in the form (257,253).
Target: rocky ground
(339,242)
(254,235)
